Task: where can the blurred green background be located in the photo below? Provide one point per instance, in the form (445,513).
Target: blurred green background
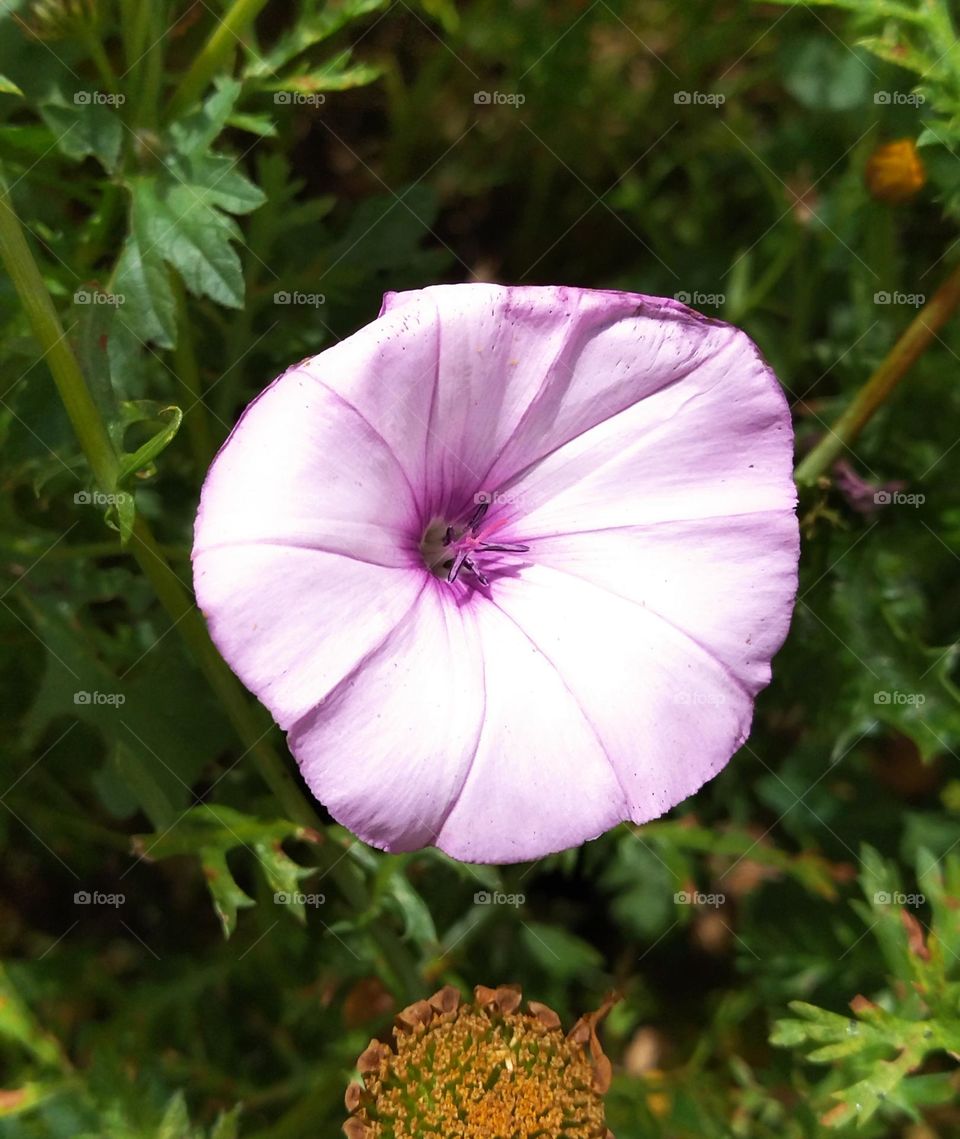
(249,178)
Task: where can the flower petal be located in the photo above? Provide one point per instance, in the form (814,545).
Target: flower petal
(717,444)
(293,542)
(637,716)
(294,622)
(388,749)
(522,370)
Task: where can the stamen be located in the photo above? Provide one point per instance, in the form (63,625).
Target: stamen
(465,543)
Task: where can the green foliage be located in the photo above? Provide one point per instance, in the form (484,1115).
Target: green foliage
(877,1051)
(207,207)
(918,40)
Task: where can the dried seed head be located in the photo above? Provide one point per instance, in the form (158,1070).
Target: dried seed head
(469,1071)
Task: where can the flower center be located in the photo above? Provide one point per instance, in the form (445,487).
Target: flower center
(450,550)
(481,1070)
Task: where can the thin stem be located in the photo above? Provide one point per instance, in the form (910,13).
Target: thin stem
(197,416)
(93,437)
(81,410)
(212,57)
(918,336)
(173,594)
(147,37)
(135,27)
(100,59)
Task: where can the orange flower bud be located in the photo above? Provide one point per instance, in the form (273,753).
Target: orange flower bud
(895,172)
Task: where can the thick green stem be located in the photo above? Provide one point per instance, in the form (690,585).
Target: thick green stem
(919,334)
(212,57)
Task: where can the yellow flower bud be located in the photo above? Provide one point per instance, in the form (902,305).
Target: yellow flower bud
(895,172)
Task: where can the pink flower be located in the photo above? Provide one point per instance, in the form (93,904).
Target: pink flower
(509,564)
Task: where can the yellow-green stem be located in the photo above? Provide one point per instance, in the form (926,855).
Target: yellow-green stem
(212,57)
(82,411)
(919,334)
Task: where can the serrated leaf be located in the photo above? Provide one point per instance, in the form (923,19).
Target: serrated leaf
(211,832)
(227,896)
(195,132)
(215,180)
(337,74)
(310,29)
(82,130)
(150,309)
(190,235)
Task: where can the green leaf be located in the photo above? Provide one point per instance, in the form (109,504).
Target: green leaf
(191,235)
(196,132)
(417,920)
(17,1023)
(214,180)
(337,74)
(8,87)
(211,832)
(824,74)
(143,411)
(150,309)
(312,28)
(82,130)
(561,953)
(169,739)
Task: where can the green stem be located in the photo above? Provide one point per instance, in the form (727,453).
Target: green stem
(135,28)
(99,57)
(918,336)
(197,415)
(147,32)
(213,56)
(93,437)
(170,590)
(81,410)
